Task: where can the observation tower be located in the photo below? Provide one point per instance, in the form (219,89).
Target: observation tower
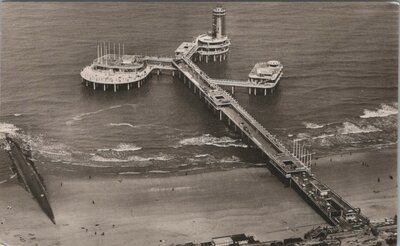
(214,45)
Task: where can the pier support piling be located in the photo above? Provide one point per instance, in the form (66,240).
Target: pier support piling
(115,88)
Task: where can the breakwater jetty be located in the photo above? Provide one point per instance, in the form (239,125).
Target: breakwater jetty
(29,176)
(292,165)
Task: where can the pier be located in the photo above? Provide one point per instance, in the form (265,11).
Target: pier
(292,167)
(107,71)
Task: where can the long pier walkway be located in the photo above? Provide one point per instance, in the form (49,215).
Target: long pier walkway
(291,168)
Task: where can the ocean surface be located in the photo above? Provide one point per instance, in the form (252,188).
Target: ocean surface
(338,93)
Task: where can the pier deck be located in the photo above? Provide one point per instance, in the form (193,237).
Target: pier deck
(244,83)
(333,208)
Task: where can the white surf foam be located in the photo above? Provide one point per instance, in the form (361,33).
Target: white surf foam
(98,158)
(156,189)
(7,128)
(323,136)
(122,147)
(129,173)
(159,171)
(192,169)
(207,139)
(122,124)
(311,125)
(201,155)
(384,111)
(230,159)
(16,115)
(351,128)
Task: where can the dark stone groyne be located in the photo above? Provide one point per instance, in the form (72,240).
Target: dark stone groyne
(29,176)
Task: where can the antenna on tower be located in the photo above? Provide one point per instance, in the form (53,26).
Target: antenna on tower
(109,50)
(101,53)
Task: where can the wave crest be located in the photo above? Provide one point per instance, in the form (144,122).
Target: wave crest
(7,129)
(384,111)
(207,139)
(351,128)
(122,147)
(311,125)
(98,158)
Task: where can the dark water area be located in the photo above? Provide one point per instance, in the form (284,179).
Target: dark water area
(338,93)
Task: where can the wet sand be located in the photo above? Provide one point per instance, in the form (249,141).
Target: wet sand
(357,183)
(147,210)
(189,208)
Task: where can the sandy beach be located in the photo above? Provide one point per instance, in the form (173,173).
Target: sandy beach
(358,183)
(137,210)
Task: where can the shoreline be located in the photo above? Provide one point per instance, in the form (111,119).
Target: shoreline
(62,169)
(194,207)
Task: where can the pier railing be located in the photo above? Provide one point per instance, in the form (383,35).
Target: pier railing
(235,104)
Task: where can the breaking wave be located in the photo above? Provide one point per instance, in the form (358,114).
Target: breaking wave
(351,128)
(230,159)
(156,189)
(129,173)
(123,147)
(384,111)
(323,136)
(311,125)
(207,139)
(201,155)
(7,129)
(134,158)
